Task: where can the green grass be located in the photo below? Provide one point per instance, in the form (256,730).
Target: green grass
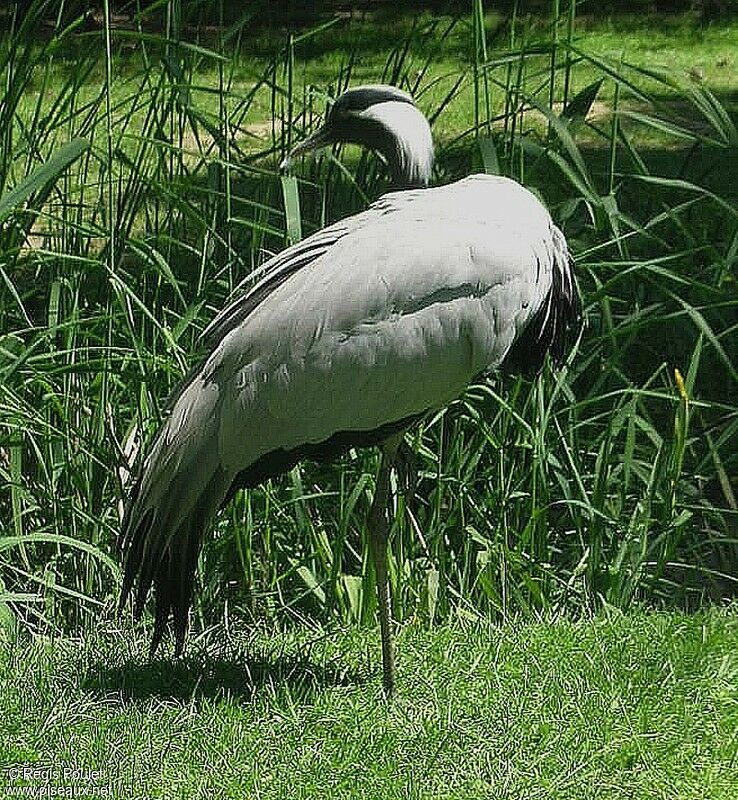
(621,706)
(138,186)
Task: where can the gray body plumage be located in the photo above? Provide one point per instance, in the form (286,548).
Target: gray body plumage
(350,334)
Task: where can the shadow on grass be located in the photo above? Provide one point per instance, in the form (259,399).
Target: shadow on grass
(202,676)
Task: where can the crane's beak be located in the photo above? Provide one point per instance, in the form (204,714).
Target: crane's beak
(323,137)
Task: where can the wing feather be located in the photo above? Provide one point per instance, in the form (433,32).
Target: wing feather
(268,277)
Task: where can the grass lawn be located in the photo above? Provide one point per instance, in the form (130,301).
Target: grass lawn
(643,705)
(635,706)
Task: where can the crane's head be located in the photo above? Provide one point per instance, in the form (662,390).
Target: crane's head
(384,119)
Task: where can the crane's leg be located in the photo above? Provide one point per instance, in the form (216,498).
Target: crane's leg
(379,525)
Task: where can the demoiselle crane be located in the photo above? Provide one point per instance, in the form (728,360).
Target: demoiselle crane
(349,338)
